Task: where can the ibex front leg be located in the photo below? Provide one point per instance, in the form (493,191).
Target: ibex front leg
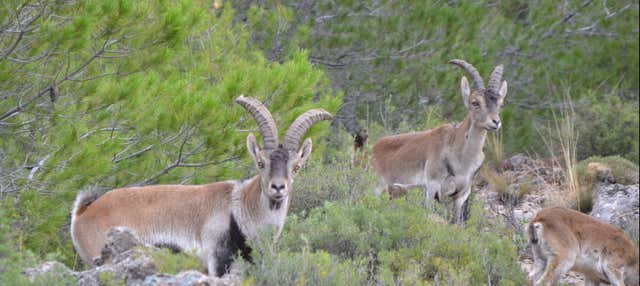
(431,189)
(459,202)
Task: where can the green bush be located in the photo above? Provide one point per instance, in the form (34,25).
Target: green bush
(169,262)
(404,244)
(334,180)
(14,259)
(608,126)
(274,267)
(623,171)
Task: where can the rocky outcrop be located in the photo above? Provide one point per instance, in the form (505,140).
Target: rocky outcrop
(540,183)
(618,205)
(123,261)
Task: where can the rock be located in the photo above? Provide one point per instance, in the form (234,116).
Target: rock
(516,163)
(119,240)
(120,261)
(124,262)
(49,270)
(616,204)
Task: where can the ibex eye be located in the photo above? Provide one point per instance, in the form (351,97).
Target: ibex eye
(260,164)
(475,104)
(296,168)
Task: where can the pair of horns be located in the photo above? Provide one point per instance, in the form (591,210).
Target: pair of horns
(478,83)
(268,126)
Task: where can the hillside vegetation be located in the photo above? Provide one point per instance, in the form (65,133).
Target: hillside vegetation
(96,95)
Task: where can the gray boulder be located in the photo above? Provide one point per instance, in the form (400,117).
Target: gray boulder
(50,270)
(123,261)
(618,205)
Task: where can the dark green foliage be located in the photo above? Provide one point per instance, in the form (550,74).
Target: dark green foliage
(11,258)
(332,180)
(391,58)
(404,244)
(278,267)
(135,93)
(168,262)
(623,171)
(105,94)
(608,125)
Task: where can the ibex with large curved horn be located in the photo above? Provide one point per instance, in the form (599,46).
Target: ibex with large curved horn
(214,220)
(443,160)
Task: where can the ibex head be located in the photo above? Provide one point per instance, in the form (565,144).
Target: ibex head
(278,164)
(484,104)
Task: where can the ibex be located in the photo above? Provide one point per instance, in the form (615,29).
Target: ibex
(444,160)
(562,239)
(360,156)
(213,220)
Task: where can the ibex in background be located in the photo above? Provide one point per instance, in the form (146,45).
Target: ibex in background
(214,220)
(360,157)
(562,239)
(444,160)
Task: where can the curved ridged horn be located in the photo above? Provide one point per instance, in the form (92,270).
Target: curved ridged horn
(263,118)
(494,79)
(300,126)
(471,71)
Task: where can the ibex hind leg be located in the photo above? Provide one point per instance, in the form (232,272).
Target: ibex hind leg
(539,264)
(615,275)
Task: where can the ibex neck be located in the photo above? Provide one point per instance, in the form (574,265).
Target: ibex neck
(470,138)
(254,211)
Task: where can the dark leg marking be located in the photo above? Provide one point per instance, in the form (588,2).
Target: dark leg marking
(234,241)
(223,259)
(239,241)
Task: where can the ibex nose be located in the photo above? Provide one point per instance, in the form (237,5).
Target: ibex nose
(496,122)
(277,188)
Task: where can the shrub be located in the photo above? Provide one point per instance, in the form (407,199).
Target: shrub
(608,126)
(275,267)
(404,244)
(335,180)
(623,171)
(14,259)
(169,262)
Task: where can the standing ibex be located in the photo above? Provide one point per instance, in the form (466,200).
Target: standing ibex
(443,160)
(562,239)
(214,220)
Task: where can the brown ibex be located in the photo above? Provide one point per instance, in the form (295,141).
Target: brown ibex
(214,220)
(444,160)
(562,239)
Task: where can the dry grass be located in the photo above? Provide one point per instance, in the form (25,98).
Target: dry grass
(563,131)
(495,148)
(497,181)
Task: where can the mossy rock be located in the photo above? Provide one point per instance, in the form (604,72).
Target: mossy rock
(623,171)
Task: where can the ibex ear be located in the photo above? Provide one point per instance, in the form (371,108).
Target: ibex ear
(466,91)
(252,147)
(502,92)
(503,89)
(305,151)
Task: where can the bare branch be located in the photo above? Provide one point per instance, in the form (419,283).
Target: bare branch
(565,19)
